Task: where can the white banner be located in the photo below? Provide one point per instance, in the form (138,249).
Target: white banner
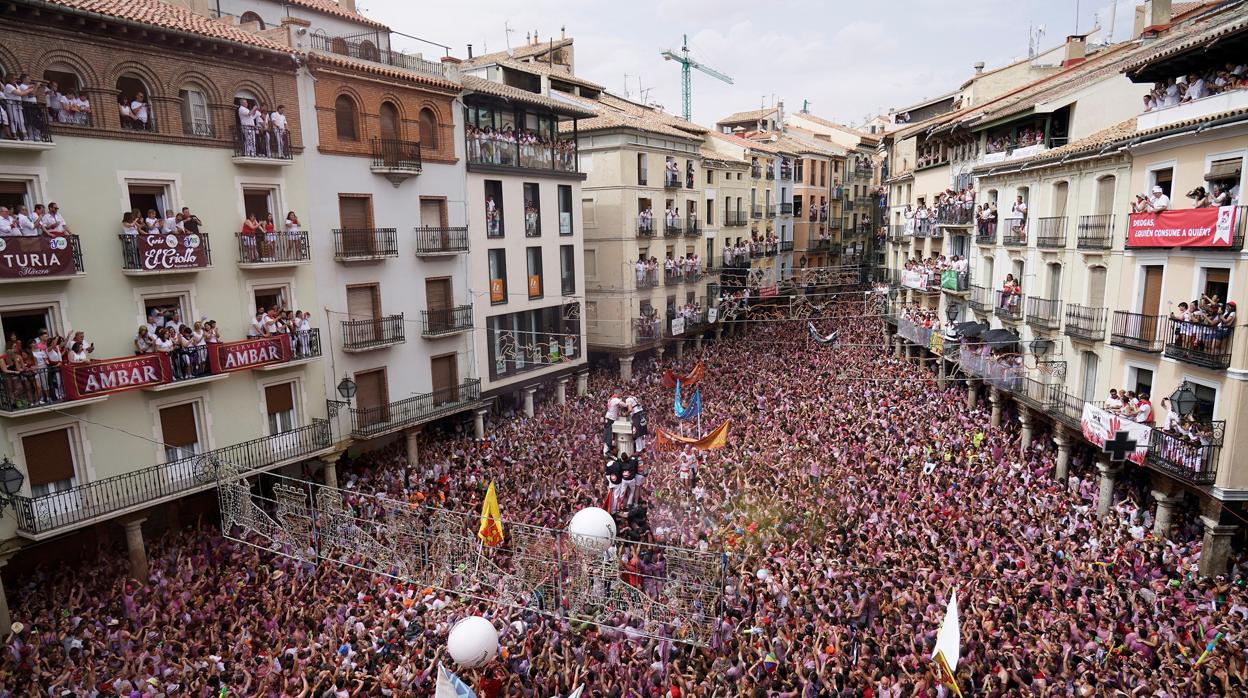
(914,279)
(678,326)
(712,314)
(1100,425)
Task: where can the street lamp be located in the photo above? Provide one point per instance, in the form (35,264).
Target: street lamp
(951,312)
(1183,400)
(11,480)
(346,388)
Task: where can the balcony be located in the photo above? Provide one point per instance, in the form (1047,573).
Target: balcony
(786,172)
(372,333)
(734,218)
(771,171)
(646,329)
(436,241)
(1136,331)
(41,258)
(986,233)
(1229,101)
(1199,345)
(756,211)
(1196,229)
(175,253)
(671,277)
(756,172)
(395,159)
(1044,313)
(1084,323)
(814,245)
(786,245)
(955,214)
(56,513)
(370,422)
(1041,396)
(645,227)
(278,249)
(897,235)
(1096,232)
(770,210)
(981,299)
(955,282)
(261,147)
(786,209)
(673,228)
(1009,306)
(554,157)
(38,132)
(1051,233)
(366,50)
(1191,460)
(443,322)
(648,278)
(671,180)
(693,227)
(922,227)
(1015,234)
(365,244)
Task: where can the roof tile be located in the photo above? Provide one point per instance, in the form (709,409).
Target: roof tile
(172,17)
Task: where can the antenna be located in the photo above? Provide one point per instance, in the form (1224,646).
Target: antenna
(626,93)
(507,32)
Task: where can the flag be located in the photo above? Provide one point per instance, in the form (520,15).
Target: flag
(669,379)
(450,686)
(691,410)
(491,530)
(577,693)
(949,644)
(814,334)
(717,438)
(770,663)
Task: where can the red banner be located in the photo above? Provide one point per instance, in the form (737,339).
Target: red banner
(172,251)
(1192,227)
(115,375)
(36,257)
(224,357)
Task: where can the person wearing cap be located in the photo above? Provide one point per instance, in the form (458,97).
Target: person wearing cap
(1158,202)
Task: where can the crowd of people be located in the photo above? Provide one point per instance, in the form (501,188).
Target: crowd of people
(515,147)
(262,132)
(1025,137)
(22,118)
(1205,325)
(1197,85)
(134,222)
(42,221)
(261,241)
(853,498)
(29,369)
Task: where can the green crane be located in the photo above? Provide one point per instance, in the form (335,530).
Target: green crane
(685,64)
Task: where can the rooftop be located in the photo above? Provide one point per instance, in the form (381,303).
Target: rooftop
(330,7)
(336,60)
(174,18)
(473,83)
(753,115)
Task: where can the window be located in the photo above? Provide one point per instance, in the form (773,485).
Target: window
(49,461)
(372,397)
(588,212)
(345,119)
(388,118)
(565,209)
(532,210)
(1161,177)
(179,431)
(591,263)
(1090,361)
(710,176)
(279,401)
(567,270)
(428,129)
(641,169)
(196,120)
(1140,380)
(494,227)
(498,276)
(1216,284)
(134,103)
(710,211)
(534,255)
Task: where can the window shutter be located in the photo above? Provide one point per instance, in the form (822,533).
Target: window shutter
(279,398)
(177,425)
(49,457)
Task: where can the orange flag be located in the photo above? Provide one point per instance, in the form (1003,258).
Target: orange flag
(491,530)
(666,440)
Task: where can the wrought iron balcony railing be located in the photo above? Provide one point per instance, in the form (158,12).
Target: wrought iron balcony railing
(154,253)
(1051,232)
(986,233)
(436,240)
(101,499)
(1096,232)
(1198,344)
(262,144)
(1136,331)
(981,299)
(645,227)
(1044,312)
(357,244)
(276,248)
(1086,323)
(372,333)
(368,422)
(734,218)
(440,322)
(1191,460)
(1009,306)
(693,227)
(396,154)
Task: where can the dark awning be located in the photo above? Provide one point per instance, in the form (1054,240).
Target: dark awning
(1000,337)
(971,329)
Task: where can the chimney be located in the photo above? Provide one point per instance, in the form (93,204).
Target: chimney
(348,5)
(1138,28)
(469,51)
(563,33)
(979,67)
(1159,15)
(780,115)
(1076,50)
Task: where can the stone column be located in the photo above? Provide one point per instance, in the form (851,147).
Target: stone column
(697,342)
(6,621)
(1216,547)
(582,383)
(971,396)
(1167,503)
(134,545)
(330,472)
(940,373)
(626,368)
(1062,471)
(680,348)
(478,423)
(528,401)
(1108,476)
(659,351)
(413,446)
(994,397)
(897,347)
(719,332)
(1026,419)
(561,391)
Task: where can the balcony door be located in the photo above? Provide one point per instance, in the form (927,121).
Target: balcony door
(279,404)
(372,398)
(438,303)
(445,377)
(179,431)
(363,304)
(389,117)
(1096,287)
(355,215)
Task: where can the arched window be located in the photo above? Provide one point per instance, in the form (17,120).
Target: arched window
(368,50)
(66,103)
(345,118)
(196,118)
(389,116)
(134,104)
(249,17)
(428,129)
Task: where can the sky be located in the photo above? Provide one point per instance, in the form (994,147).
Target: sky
(849,59)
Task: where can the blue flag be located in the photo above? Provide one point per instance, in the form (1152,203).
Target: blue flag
(693,409)
(450,686)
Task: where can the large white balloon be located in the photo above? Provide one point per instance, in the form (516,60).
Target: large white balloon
(592,528)
(473,642)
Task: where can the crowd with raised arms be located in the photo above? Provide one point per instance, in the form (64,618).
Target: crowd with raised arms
(853,497)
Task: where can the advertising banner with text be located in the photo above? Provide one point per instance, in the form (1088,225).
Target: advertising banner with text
(36,257)
(115,375)
(1193,227)
(172,251)
(224,357)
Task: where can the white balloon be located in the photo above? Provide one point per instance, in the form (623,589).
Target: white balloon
(762,574)
(592,528)
(473,642)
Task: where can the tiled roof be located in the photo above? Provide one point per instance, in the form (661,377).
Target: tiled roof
(473,83)
(330,7)
(801,145)
(864,137)
(1203,31)
(613,112)
(753,115)
(174,18)
(333,59)
(746,142)
(518,53)
(651,113)
(545,69)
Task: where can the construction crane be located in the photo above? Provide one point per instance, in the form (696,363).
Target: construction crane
(686,63)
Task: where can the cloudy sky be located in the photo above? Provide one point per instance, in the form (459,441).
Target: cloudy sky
(849,58)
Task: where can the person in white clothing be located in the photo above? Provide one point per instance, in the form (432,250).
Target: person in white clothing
(1158,202)
(247,127)
(138,111)
(8,226)
(53,223)
(26,223)
(277,123)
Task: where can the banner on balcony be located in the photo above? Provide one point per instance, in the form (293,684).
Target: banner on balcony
(115,375)
(937,344)
(1099,425)
(768,291)
(172,251)
(712,314)
(678,326)
(914,279)
(36,257)
(224,357)
(498,290)
(949,279)
(1192,227)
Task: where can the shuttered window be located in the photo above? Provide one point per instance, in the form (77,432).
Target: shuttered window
(279,398)
(49,457)
(177,426)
